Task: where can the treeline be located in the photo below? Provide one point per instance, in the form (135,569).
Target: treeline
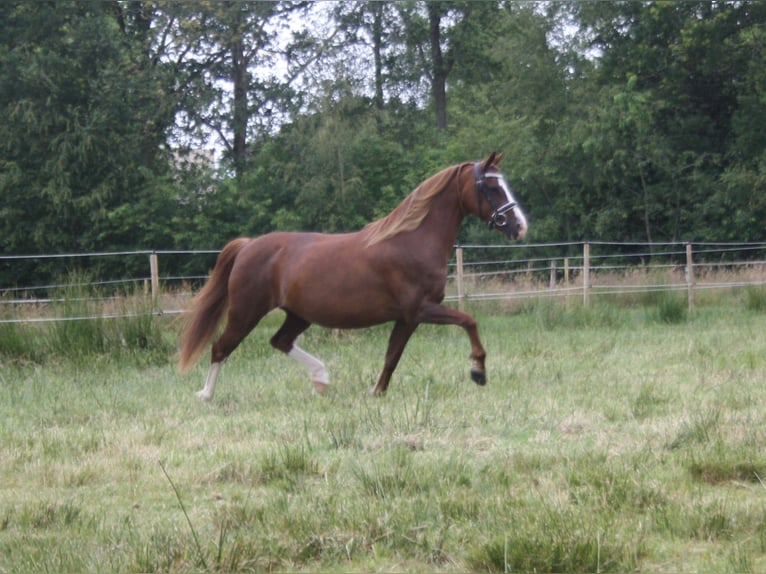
(624,120)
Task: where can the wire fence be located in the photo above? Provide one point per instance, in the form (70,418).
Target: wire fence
(593,269)
(576,270)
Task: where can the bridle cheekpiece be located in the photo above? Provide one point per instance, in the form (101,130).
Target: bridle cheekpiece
(498,217)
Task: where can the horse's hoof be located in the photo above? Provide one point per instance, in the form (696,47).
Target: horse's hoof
(320,387)
(479,377)
(376,392)
(203,396)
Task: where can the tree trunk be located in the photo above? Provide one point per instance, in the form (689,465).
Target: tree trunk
(439,80)
(377,41)
(240,113)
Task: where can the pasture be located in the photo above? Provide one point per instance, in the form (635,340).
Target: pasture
(617,438)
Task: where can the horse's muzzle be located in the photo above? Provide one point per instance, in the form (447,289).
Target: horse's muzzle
(514,229)
(521,230)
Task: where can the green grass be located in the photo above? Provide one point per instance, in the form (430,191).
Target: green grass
(606,440)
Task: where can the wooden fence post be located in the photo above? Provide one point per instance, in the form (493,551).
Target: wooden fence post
(552,282)
(690,277)
(586,274)
(155,275)
(459,278)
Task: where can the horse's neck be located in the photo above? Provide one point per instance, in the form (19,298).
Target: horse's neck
(442,224)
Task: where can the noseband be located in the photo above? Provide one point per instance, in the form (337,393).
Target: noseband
(498,217)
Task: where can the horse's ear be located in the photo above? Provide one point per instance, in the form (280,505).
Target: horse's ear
(493,159)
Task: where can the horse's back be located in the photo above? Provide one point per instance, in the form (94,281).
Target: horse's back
(263,256)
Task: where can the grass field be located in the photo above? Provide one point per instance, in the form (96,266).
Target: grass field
(613,439)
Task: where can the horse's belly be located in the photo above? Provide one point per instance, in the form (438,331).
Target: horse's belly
(343,309)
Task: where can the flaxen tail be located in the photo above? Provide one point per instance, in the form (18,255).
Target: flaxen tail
(208,307)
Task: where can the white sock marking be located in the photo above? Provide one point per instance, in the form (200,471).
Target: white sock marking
(314,366)
(206,394)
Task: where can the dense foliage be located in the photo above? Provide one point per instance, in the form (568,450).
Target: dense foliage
(624,120)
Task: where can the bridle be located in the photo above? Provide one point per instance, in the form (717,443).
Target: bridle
(498,217)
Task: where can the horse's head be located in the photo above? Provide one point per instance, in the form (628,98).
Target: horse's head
(496,203)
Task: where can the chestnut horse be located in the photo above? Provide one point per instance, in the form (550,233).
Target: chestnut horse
(394,269)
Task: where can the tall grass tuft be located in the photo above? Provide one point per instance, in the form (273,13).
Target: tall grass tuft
(287,465)
(718,471)
(701,428)
(552,314)
(79,329)
(83,322)
(555,542)
(670,309)
(17,343)
(755,298)
(391,476)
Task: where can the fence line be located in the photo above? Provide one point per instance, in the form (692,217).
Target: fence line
(157,313)
(582,272)
(589,266)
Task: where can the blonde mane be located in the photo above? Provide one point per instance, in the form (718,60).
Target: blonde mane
(411,212)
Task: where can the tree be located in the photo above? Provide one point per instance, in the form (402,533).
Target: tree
(215,48)
(367,26)
(645,124)
(79,134)
(333,171)
(692,64)
(433,44)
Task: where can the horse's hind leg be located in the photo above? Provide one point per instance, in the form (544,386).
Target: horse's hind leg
(284,340)
(207,392)
(238,326)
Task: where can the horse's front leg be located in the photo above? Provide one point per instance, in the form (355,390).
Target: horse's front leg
(396,343)
(439,315)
